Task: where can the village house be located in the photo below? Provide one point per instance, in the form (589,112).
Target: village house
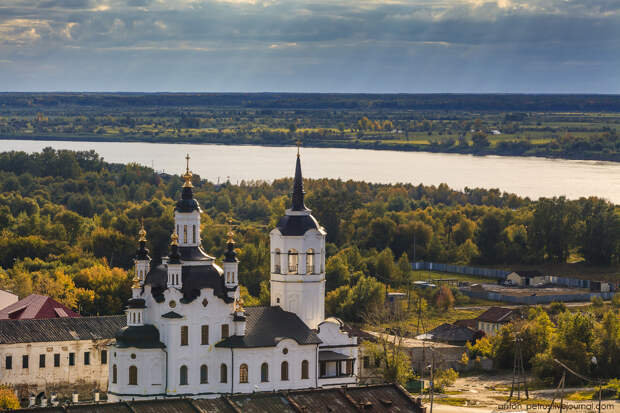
(36,306)
(493,319)
(60,355)
(532,278)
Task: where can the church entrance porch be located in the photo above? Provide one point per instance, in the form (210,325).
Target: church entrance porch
(333,364)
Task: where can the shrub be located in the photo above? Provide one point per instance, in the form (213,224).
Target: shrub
(443,379)
(8,399)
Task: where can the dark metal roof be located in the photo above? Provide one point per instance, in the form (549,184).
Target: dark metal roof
(194,254)
(100,408)
(298,188)
(230,255)
(60,329)
(187,203)
(263,403)
(381,399)
(194,278)
(219,405)
(197,277)
(328,355)
(496,315)
(174,257)
(328,400)
(296,225)
(266,326)
(143,252)
(146,336)
(454,334)
(136,303)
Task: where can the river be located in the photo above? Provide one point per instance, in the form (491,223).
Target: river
(525,176)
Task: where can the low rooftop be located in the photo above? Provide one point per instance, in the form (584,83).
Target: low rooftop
(387,398)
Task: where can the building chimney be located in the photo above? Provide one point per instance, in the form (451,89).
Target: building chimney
(32,400)
(96,396)
(75,397)
(43,401)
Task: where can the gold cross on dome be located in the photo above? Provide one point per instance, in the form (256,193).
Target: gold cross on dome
(298,146)
(187,159)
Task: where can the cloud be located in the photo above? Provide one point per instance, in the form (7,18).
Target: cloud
(443,43)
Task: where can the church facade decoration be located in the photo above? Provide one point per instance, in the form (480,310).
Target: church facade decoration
(188,333)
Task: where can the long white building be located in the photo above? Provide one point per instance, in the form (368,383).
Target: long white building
(187,333)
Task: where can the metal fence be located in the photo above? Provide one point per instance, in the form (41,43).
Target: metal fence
(536,299)
(460,269)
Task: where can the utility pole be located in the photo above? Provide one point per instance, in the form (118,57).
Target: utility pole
(518,371)
(432,378)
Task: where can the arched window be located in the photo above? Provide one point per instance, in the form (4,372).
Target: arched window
(304,369)
(264,372)
(277,262)
(183,376)
(243,373)
(133,375)
(184,234)
(293,258)
(204,374)
(284,371)
(223,373)
(114,374)
(310,261)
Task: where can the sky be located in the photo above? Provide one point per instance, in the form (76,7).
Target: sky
(376,46)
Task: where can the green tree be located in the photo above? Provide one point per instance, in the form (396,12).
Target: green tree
(600,239)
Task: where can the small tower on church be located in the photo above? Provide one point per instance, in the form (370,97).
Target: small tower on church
(298,259)
(136,305)
(187,213)
(142,261)
(174,263)
(231,263)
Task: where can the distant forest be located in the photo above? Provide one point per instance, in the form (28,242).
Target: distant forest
(69,223)
(557,126)
(448,102)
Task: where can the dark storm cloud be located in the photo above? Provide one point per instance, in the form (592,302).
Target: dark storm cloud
(349,45)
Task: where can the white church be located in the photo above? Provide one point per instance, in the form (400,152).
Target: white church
(188,334)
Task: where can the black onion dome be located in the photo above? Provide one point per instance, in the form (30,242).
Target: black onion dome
(197,277)
(230,255)
(297,225)
(157,278)
(142,253)
(175,257)
(146,336)
(187,203)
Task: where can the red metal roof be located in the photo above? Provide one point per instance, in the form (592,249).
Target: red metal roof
(36,306)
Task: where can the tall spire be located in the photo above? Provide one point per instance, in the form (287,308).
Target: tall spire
(298,185)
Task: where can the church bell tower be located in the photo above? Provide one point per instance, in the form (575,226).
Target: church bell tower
(298,259)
